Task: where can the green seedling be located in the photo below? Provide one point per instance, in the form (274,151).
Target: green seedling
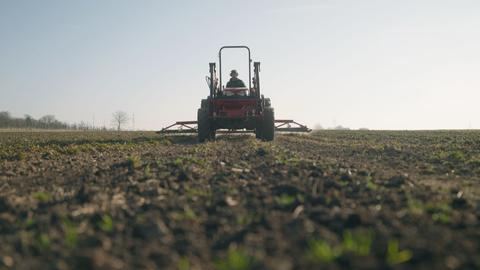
(29,223)
(42,196)
(457,156)
(147,171)
(440,212)
(71,233)
(43,241)
(358,242)
(245,219)
(184,161)
(196,192)
(183,263)
(285,199)
(319,251)
(370,184)
(415,207)
(72,150)
(134,162)
(178,162)
(441,217)
(106,224)
(395,256)
(189,213)
(237,259)
(21,156)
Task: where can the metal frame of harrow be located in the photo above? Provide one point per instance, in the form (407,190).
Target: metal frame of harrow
(189,127)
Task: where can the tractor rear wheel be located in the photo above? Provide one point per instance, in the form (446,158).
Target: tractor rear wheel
(265,129)
(258,130)
(205,131)
(268,125)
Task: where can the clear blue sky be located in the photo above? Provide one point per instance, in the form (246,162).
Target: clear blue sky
(379,64)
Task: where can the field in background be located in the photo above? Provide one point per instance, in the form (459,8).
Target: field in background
(333,199)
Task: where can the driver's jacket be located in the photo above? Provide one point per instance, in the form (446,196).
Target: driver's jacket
(235,82)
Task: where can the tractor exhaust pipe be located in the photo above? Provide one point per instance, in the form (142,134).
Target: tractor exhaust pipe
(212,79)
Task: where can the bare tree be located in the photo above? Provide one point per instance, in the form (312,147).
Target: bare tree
(83,126)
(29,121)
(119,118)
(4,118)
(48,120)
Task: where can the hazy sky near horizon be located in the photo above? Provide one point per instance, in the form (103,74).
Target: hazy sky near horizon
(379,64)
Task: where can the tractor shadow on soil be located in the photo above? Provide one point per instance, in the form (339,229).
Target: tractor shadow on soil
(192,139)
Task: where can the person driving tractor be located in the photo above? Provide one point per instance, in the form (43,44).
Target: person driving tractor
(235,82)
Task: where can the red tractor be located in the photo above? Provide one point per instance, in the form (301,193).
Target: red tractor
(235,110)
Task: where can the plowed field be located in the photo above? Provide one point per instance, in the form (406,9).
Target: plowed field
(329,200)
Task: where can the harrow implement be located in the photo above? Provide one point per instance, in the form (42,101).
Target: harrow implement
(191,127)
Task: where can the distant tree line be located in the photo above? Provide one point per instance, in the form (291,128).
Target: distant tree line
(44,122)
(339,127)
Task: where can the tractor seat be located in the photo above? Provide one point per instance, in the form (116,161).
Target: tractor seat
(235,91)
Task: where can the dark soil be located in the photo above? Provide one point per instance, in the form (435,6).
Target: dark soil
(330,200)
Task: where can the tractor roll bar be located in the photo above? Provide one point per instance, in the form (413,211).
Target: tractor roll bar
(249,63)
